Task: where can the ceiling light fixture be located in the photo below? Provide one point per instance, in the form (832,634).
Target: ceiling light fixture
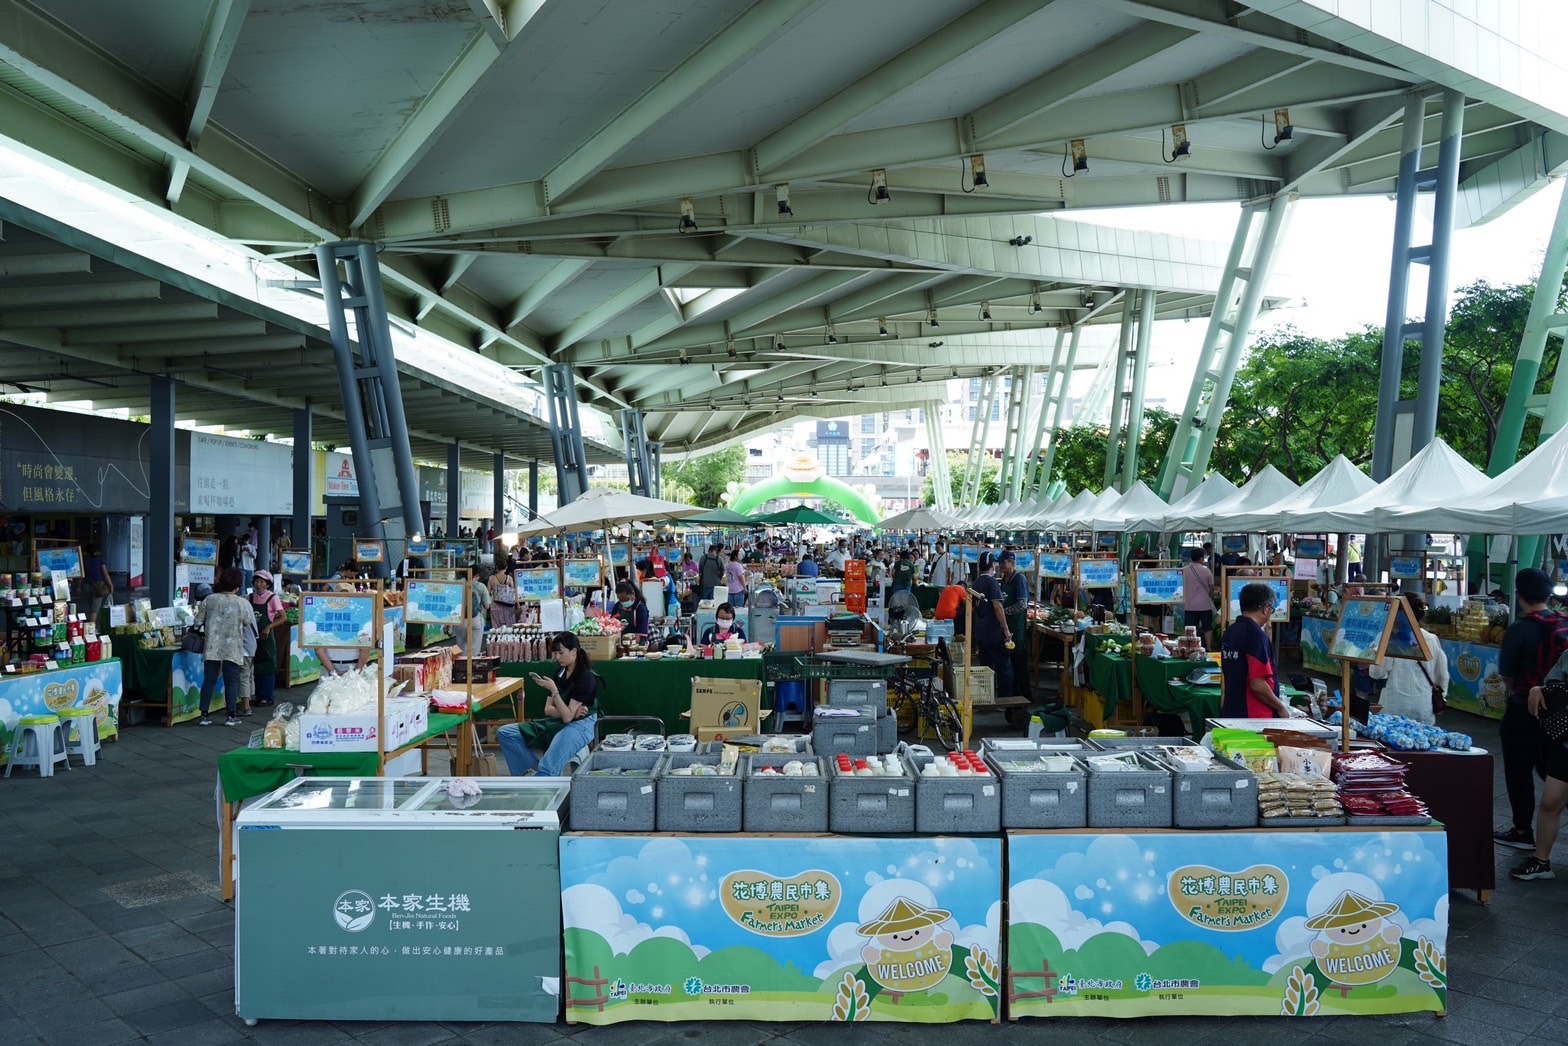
(1034,302)
(778,343)
(878,193)
(1020,241)
(1181,146)
(882,328)
(1078,152)
(832,335)
(685,358)
(985,311)
(1282,129)
(729,347)
(782,189)
(688,216)
(935,344)
(931,317)
(976,166)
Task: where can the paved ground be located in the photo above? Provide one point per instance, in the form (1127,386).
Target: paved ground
(111,931)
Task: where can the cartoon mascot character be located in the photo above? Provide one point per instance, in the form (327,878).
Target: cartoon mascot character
(907,952)
(1356,943)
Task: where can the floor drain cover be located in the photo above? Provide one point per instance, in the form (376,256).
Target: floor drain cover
(160,889)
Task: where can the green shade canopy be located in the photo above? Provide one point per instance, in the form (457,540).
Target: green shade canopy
(720,517)
(796,516)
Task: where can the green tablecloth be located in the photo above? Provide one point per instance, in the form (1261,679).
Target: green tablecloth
(1111,677)
(652,688)
(248,772)
(147,672)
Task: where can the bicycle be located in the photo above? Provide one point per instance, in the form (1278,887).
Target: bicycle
(918,699)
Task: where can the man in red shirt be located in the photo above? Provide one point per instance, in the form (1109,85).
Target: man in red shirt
(1247,660)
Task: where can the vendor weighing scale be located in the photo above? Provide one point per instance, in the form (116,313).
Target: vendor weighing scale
(391,899)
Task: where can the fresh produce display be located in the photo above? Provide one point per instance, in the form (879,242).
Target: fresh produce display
(598,625)
(1474,626)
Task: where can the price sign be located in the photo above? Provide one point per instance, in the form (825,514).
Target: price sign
(1158,586)
(535,584)
(434,603)
(1056,564)
(338,620)
(200,555)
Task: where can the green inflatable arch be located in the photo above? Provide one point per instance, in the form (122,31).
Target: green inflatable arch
(835,490)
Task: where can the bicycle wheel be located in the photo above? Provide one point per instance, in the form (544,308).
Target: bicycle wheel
(942,714)
(904,705)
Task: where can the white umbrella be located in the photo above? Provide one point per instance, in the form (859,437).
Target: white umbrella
(921,517)
(602,507)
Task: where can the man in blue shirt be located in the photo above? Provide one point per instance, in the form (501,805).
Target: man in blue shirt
(991,632)
(808,567)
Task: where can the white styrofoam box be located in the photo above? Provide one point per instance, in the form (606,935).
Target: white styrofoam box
(406,718)
(406,765)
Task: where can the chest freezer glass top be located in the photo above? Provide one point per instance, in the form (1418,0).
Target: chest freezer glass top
(512,802)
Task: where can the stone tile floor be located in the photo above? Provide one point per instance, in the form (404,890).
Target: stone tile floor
(112,931)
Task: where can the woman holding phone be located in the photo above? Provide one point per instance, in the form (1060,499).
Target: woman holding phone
(570,713)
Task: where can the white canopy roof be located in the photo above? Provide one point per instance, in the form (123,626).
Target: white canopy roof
(1056,518)
(1338,482)
(1435,476)
(1213,490)
(1022,513)
(921,517)
(1529,498)
(1084,518)
(1137,503)
(1265,488)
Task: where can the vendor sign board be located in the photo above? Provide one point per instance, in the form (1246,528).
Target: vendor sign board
(199,554)
(1311,548)
(1276,923)
(538,583)
(1099,573)
(1056,564)
(97,685)
(332,619)
(1374,627)
(296,564)
(369,552)
(1474,682)
(582,573)
(1317,635)
(62,562)
(1280,585)
(1406,568)
(781,929)
(1158,585)
(1025,559)
(434,602)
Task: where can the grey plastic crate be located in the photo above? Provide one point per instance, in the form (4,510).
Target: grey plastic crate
(1215,798)
(1112,743)
(887,734)
(1041,800)
(613,803)
(773,803)
(852,735)
(857,693)
(956,805)
(1027,745)
(870,805)
(1130,798)
(697,804)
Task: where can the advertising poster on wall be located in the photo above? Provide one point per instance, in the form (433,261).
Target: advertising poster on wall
(1475,683)
(774,929)
(1296,924)
(232,475)
(62,562)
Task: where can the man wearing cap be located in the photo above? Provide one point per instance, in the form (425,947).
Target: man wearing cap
(992,633)
(1247,672)
(1523,741)
(1015,606)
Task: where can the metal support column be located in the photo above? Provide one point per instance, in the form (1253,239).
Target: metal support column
(498,488)
(1395,439)
(936,460)
(372,397)
(1038,481)
(454,489)
(1119,393)
(1018,401)
(1140,375)
(1236,305)
(566,434)
(1545,319)
(304,471)
(979,433)
(1056,401)
(264,544)
(533,489)
(634,445)
(656,468)
(160,484)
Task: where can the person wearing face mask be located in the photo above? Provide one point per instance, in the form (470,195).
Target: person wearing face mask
(724,627)
(631,608)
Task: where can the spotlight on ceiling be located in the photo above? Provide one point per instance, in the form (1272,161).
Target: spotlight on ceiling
(1020,241)
(985,311)
(688,215)
(1034,302)
(782,189)
(976,165)
(1282,128)
(729,347)
(832,335)
(1181,146)
(878,192)
(931,318)
(882,331)
(778,343)
(685,358)
(1078,152)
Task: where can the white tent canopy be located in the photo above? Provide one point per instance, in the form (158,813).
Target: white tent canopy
(1337,483)
(921,517)
(1030,510)
(1263,489)
(1137,503)
(1529,498)
(1056,518)
(1084,518)
(1435,476)
(1212,491)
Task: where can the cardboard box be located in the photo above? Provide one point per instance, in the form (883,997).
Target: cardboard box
(406,718)
(725,707)
(600,648)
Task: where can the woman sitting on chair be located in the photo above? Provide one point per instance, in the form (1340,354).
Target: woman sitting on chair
(570,714)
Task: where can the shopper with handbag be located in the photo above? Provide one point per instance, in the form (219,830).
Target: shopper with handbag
(1549,704)
(1415,689)
(227,627)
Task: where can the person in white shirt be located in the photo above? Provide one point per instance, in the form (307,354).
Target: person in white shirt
(1408,692)
(941,574)
(837,558)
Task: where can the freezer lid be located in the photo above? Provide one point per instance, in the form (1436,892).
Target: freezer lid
(346,794)
(518,795)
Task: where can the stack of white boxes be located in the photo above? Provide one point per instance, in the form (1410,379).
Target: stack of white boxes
(406,718)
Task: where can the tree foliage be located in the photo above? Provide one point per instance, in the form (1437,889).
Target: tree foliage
(990,493)
(702,480)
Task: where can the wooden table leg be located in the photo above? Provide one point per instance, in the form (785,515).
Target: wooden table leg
(226,853)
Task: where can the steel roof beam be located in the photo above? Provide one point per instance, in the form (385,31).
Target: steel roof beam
(1365,121)
(644,287)
(55,263)
(111,316)
(969,30)
(733,45)
(84,293)
(560,274)
(219,35)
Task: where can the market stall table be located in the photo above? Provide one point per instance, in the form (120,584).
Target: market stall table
(659,688)
(163,678)
(1457,788)
(246,773)
(95,684)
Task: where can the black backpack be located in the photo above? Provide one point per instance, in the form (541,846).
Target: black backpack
(1554,642)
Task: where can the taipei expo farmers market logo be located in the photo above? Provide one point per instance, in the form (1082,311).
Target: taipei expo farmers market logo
(354,910)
